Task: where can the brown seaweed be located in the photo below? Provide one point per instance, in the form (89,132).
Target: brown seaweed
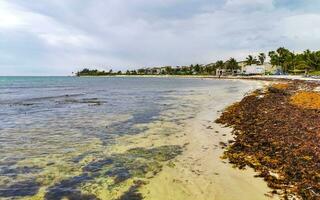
(278,139)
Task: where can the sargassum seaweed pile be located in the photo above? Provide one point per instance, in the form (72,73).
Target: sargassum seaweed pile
(277,132)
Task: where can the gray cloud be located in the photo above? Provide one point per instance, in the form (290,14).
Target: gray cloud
(58,37)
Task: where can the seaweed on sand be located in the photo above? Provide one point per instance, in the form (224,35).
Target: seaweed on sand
(137,163)
(278,139)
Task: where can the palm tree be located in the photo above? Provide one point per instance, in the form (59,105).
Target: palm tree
(312,59)
(251,60)
(283,56)
(262,58)
(197,68)
(219,64)
(274,58)
(302,65)
(232,64)
(168,70)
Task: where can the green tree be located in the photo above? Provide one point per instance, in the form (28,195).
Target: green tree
(209,69)
(232,64)
(274,58)
(220,64)
(302,65)
(141,71)
(262,58)
(251,60)
(312,59)
(197,68)
(168,70)
(284,58)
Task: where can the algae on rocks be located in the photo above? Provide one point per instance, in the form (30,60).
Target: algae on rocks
(118,176)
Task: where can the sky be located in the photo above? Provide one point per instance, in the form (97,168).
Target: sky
(58,37)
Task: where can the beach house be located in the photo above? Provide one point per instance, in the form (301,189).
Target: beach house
(255,69)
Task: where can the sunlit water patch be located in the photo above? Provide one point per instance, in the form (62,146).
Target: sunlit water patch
(81,138)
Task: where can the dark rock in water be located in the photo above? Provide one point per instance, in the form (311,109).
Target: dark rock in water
(14,171)
(68,188)
(121,174)
(96,166)
(20,189)
(72,195)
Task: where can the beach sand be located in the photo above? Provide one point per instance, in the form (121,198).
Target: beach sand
(200,173)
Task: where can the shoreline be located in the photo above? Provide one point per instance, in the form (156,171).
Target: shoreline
(283,150)
(256,77)
(179,156)
(199,172)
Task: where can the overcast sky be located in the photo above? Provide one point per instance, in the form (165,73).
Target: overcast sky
(57,37)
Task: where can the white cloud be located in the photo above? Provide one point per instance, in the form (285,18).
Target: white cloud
(302,26)
(8,16)
(51,31)
(249,4)
(67,34)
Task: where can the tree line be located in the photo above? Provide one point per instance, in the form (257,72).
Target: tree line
(289,62)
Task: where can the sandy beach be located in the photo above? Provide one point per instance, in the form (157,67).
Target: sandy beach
(173,153)
(199,172)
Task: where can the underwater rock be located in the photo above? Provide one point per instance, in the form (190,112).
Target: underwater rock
(96,166)
(20,189)
(68,189)
(14,171)
(121,174)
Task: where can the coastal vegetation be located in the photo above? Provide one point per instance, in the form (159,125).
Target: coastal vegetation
(289,62)
(277,133)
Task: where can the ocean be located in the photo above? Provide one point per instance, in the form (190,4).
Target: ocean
(93,138)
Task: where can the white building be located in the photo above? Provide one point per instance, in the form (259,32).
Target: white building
(255,69)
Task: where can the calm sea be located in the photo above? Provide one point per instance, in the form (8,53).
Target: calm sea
(55,130)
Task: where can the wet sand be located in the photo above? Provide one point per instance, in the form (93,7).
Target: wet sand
(199,173)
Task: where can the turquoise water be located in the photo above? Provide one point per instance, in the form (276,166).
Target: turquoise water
(55,131)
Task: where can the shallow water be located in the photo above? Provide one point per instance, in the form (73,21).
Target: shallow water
(61,136)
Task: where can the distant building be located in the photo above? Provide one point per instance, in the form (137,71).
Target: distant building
(242,64)
(272,69)
(255,69)
(227,72)
(156,71)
